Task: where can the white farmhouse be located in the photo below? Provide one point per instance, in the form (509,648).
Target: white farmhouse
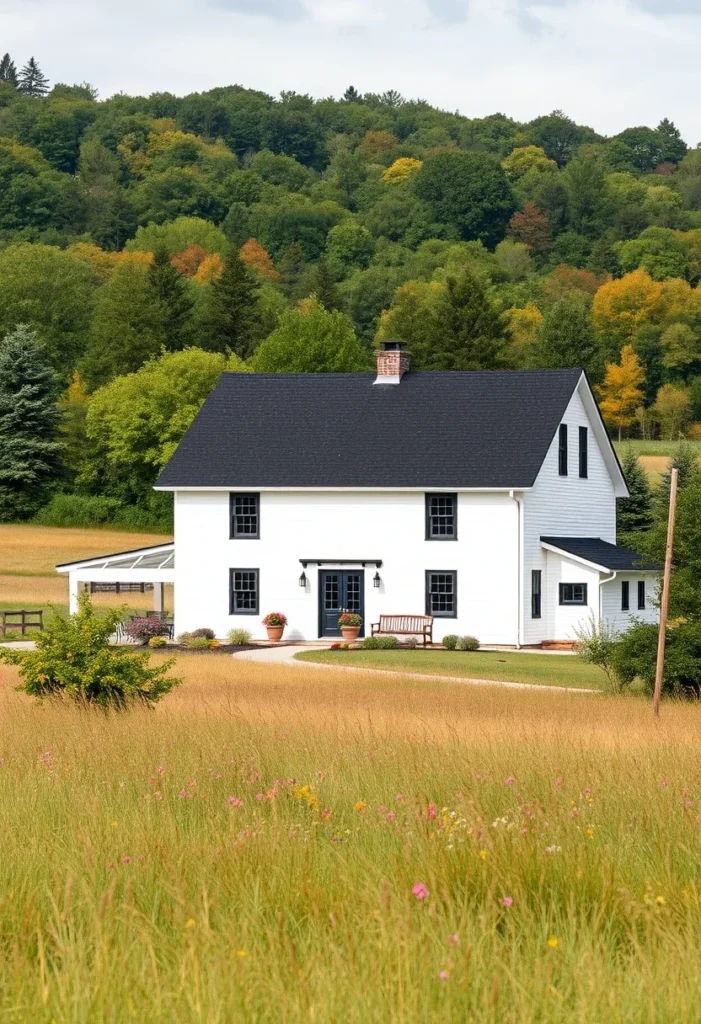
(486,500)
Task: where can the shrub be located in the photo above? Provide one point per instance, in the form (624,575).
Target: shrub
(239,636)
(208,634)
(73,659)
(635,657)
(467,643)
(157,641)
(184,639)
(596,643)
(450,642)
(199,643)
(275,619)
(142,630)
(78,510)
(386,643)
(411,642)
(349,619)
(371,643)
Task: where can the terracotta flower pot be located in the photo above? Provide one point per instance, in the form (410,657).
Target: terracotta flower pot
(275,633)
(350,632)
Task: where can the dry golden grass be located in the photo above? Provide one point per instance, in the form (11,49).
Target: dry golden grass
(133,888)
(37,549)
(21,591)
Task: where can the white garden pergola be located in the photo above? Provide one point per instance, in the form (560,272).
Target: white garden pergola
(154,565)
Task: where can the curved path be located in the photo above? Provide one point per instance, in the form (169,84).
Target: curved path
(286,655)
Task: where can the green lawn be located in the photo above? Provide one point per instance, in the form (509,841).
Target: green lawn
(512,667)
(642,448)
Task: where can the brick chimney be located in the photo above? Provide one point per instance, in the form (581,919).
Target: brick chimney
(392,362)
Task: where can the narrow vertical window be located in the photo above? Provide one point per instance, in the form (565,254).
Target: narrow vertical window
(562,451)
(245,516)
(625,595)
(641,594)
(583,452)
(536,583)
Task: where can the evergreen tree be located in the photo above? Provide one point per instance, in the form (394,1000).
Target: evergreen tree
(684,459)
(231,320)
(29,425)
(31,80)
(567,338)
(351,95)
(634,514)
(175,304)
(324,287)
(8,71)
(470,332)
(603,258)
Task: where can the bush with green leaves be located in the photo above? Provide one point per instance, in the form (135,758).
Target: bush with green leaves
(635,657)
(467,643)
(73,659)
(596,644)
(380,643)
(450,642)
(200,643)
(238,637)
(411,642)
(78,510)
(157,642)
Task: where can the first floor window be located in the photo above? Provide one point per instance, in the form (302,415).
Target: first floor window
(245,516)
(573,593)
(625,595)
(441,517)
(536,583)
(641,594)
(244,594)
(442,594)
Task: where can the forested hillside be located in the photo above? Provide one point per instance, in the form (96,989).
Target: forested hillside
(148,242)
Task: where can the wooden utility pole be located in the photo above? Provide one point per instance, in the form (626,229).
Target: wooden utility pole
(665,593)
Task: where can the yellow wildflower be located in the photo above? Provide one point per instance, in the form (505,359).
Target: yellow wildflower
(359,806)
(553,942)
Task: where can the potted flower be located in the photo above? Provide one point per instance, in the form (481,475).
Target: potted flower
(349,624)
(275,623)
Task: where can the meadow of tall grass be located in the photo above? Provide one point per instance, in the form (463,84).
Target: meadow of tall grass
(272,844)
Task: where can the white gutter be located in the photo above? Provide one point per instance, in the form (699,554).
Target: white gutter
(519,587)
(610,579)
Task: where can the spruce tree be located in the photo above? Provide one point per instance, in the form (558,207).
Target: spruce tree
(567,338)
(31,80)
(8,71)
(685,460)
(469,331)
(324,287)
(174,302)
(29,425)
(634,514)
(231,320)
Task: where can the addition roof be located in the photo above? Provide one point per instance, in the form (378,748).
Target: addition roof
(487,429)
(601,554)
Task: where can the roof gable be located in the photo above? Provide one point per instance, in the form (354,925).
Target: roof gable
(488,429)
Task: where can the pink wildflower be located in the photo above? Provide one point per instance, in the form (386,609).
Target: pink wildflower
(399,798)
(665,782)
(453,940)
(326,813)
(259,796)
(509,780)
(559,783)
(126,860)
(420,891)
(391,816)
(235,801)
(432,811)
(508,901)
(443,975)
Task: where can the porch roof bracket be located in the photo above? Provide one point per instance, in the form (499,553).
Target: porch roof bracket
(341,561)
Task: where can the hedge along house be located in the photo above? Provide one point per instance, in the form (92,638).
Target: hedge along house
(484,499)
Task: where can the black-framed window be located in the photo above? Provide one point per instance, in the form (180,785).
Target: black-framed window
(442,594)
(536,591)
(441,517)
(562,450)
(244,591)
(245,516)
(625,595)
(573,593)
(641,594)
(583,452)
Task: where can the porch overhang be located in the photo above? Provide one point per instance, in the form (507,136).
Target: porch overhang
(142,565)
(599,554)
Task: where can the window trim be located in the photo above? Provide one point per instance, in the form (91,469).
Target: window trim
(625,595)
(562,451)
(441,494)
(442,572)
(536,594)
(642,596)
(233,495)
(243,611)
(583,453)
(574,604)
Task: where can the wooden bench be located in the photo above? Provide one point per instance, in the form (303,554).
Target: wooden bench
(406,625)
(20,620)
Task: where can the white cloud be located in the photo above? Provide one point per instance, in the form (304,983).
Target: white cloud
(608,63)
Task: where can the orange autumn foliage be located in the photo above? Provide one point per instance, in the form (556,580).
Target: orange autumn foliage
(189,260)
(258,258)
(209,269)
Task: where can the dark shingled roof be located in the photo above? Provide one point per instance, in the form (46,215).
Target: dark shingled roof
(434,429)
(609,556)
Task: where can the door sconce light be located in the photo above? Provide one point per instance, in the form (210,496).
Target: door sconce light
(376,580)
(303,580)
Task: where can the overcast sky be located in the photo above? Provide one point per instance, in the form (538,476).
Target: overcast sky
(608,63)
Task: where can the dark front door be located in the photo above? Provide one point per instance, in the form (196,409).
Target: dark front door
(340,592)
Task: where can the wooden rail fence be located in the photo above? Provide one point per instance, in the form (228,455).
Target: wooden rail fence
(20,620)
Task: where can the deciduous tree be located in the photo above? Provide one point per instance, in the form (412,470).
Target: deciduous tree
(621,393)
(310,339)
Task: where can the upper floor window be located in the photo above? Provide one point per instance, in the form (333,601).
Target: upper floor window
(641,594)
(625,595)
(583,452)
(441,517)
(562,450)
(245,516)
(442,594)
(573,593)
